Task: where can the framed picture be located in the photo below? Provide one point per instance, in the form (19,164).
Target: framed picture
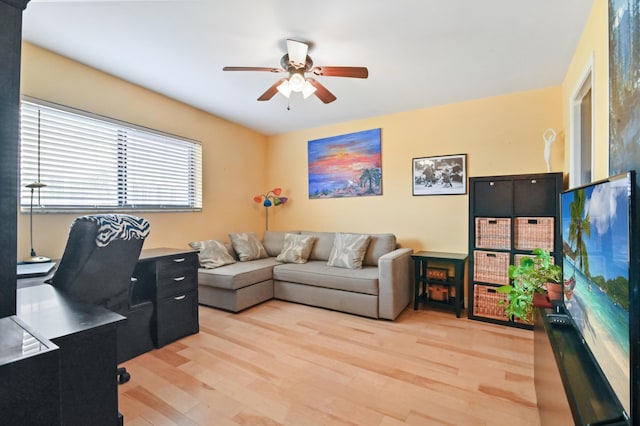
(345,166)
(443,175)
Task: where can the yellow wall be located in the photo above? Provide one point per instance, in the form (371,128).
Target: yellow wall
(500,135)
(593,47)
(230,180)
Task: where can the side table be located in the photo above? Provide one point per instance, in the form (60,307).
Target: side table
(421,261)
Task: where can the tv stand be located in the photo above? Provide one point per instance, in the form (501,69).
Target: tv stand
(562,362)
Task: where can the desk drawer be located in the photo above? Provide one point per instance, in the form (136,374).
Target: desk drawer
(177,284)
(171,265)
(176,317)
(176,275)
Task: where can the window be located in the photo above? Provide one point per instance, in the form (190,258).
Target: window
(89,162)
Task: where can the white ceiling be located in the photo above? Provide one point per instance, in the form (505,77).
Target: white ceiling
(420,53)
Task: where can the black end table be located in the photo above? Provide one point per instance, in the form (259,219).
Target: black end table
(421,261)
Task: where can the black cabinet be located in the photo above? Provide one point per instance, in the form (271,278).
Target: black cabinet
(509,216)
(170,277)
(531,197)
(492,197)
(10,45)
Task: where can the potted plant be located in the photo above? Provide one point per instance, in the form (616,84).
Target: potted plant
(534,274)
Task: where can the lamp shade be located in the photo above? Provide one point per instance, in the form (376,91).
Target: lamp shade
(308,90)
(36,185)
(296,82)
(284,89)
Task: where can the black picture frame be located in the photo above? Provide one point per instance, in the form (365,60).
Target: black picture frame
(440,175)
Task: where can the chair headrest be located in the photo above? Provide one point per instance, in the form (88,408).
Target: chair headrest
(117,227)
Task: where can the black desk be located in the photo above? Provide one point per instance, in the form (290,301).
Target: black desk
(29,376)
(86,336)
(421,263)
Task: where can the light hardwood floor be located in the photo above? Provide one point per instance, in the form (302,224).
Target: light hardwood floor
(281,363)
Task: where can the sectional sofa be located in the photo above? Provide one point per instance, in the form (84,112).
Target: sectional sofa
(380,286)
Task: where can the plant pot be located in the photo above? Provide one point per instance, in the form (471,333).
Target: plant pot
(554,290)
(540,300)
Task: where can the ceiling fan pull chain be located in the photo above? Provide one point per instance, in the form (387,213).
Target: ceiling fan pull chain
(289,104)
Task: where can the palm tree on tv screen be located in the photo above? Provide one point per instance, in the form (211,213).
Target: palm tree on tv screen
(579,228)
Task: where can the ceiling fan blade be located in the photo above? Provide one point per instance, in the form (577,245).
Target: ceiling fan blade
(253,69)
(271,91)
(322,92)
(354,72)
(297,51)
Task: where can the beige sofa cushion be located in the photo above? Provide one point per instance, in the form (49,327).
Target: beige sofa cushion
(348,250)
(379,245)
(297,248)
(247,246)
(273,241)
(212,253)
(318,273)
(238,275)
(322,246)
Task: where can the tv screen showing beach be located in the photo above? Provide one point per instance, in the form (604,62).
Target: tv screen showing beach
(595,237)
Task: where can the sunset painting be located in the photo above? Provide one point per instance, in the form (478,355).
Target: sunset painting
(346,165)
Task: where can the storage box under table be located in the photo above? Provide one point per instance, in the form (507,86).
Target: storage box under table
(438,292)
(437,274)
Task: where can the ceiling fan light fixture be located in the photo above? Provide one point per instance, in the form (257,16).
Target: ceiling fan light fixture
(284,88)
(308,89)
(296,82)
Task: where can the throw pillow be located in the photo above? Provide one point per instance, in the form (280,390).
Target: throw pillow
(212,253)
(248,246)
(348,250)
(296,249)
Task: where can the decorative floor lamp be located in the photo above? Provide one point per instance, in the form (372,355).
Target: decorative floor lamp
(265,199)
(34,258)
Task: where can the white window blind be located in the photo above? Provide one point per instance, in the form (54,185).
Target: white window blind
(90,162)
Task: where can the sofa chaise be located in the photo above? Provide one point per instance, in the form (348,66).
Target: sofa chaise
(378,287)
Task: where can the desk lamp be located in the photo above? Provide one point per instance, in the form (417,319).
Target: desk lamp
(34,258)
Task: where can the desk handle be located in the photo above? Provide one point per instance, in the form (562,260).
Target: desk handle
(178,260)
(180,297)
(178,279)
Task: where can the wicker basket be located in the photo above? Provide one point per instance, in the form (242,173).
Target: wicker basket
(491,267)
(485,302)
(533,232)
(494,233)
(518,257)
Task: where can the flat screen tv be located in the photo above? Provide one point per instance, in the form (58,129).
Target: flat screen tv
(597,238)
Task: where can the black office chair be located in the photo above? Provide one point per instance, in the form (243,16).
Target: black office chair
(97,268)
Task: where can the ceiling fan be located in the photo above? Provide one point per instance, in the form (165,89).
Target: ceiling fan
(297,63)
